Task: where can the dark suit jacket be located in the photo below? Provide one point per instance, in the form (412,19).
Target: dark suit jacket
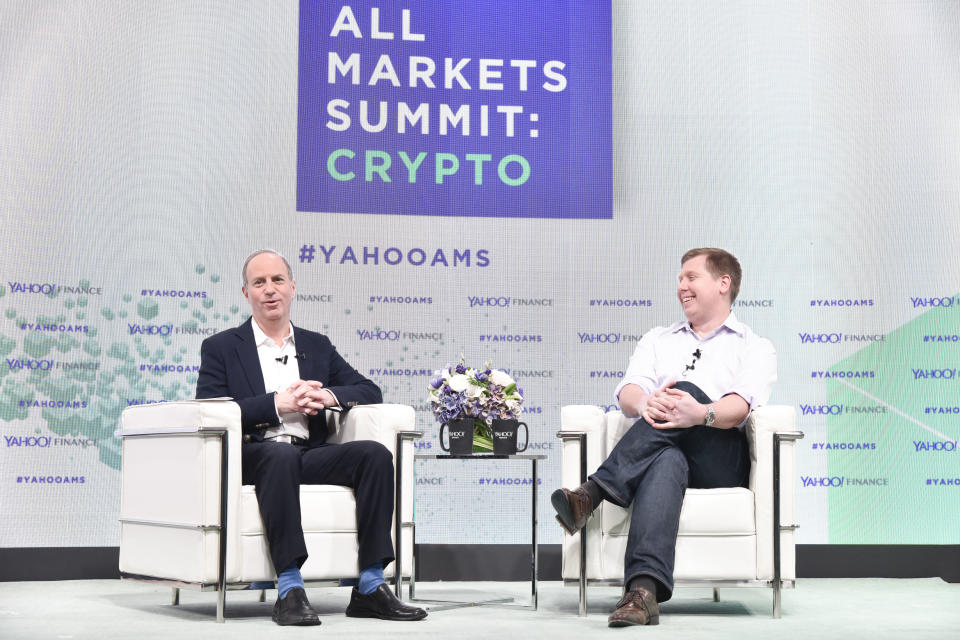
(230,367)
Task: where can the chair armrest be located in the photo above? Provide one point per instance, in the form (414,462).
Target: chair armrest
(171,477)
(170,470)
(580,425)
(380,422)
(764,422)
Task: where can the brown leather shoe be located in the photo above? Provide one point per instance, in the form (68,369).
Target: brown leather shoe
(573,508)
(635,607)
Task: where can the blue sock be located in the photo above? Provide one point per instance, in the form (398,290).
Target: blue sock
(289,578)
(371,578)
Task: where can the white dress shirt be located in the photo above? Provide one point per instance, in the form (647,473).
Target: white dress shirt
(280,369)
(733,359)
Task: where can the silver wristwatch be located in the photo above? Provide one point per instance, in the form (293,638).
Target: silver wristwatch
(711,416)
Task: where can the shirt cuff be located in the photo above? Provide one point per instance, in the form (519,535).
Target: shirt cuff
(276,410)
(335,399)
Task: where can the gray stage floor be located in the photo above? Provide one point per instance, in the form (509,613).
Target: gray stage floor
(850,608)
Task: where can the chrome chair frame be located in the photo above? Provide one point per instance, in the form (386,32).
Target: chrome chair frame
(777,583)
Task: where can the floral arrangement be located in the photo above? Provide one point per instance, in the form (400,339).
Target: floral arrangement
(458,391)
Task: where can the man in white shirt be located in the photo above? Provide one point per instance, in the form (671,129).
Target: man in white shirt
(284,378)
(692,385)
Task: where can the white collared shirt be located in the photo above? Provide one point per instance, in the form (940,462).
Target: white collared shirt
(278,375)
(733,359)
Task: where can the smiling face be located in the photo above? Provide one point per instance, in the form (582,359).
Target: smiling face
(269,290)
(704,297)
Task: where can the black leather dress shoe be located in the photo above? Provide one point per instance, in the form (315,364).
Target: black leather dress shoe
(295,609)
(382,604)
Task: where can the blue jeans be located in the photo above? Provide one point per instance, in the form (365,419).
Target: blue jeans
(653,468)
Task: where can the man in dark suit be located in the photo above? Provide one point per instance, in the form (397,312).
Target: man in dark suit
(284,379)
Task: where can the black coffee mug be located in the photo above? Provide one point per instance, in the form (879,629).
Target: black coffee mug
(459,436)
(505,436)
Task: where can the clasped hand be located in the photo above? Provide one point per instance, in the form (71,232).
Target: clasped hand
(669,408)
(305,396)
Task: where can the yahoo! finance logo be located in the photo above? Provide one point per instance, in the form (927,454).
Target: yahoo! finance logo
(507,301)
(150,329)
(488,301)
(46,442)
(50,289)
(837,337)
(821,409)
(839,482)
(929,375)
(601,337)
(424,109)
(382,335)
(32,364)
(820,338)
(930,302)
(935,446)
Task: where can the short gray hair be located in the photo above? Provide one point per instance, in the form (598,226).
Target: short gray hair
(243,274)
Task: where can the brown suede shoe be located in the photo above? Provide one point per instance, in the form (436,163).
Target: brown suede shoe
(635,607)
(573,508)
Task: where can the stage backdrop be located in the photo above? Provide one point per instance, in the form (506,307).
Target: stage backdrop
(511,182)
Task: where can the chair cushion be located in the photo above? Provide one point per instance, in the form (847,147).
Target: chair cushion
(323,508)
(719,512)
(698,558)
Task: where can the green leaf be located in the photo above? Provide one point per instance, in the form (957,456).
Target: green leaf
(481,443)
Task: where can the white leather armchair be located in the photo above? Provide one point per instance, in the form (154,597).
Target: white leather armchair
(727,537)
(187,521)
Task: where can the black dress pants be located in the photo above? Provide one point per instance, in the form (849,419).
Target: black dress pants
(277,470)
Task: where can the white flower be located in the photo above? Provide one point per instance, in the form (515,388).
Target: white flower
(458,382)
(500,378)
(474,391)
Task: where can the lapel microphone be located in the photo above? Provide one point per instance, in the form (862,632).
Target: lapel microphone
(690,367)
(283,360)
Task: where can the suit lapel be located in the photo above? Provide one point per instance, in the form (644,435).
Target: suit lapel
(249,360)
(304,347)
